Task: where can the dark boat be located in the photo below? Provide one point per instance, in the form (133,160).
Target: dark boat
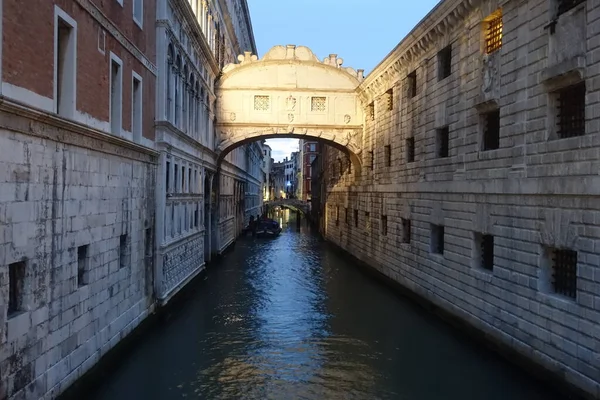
(267,227)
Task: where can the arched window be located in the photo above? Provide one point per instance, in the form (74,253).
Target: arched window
(170,77)
(177,84)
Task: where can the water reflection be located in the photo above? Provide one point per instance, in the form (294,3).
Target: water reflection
(286,318)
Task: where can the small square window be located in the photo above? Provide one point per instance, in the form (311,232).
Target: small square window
(387,150)
(437,239)
(410,149)
(384,225)
(318,104)
(491,130)
(405,230)
(412,84)
(82,265)
(261,103)
(564,272)
(571,111)
(16,288)
(484,251)
(444,63)
(493,32)
(442,141)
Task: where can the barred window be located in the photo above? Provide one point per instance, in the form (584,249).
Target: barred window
(412,84)
(317,104)
(484,248)
(405,230)
(564,272)
(389,99)
(571,111)
(388,155)
(261,103)
(442,141)
(491,130)
(410,149)
(384,228)
(493,33)
(566,5)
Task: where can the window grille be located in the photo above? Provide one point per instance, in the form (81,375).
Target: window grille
(564,272)
(566,5)
(410,149)
(443,141)
(405,230)
(16,286)
(261,103)
(493,35)
(317,104)
(388,155)
(491,130)
(389,98)
(371,111)
(571,111)
(487,252)
(337,215)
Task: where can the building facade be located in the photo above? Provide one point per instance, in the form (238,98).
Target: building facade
(479,182)
(309,153)
(77,186)
(200,212)
(267,165)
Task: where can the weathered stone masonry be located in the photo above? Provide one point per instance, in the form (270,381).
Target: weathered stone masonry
(76,223)
(479,225)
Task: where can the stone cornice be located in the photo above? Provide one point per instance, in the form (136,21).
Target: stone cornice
(441,21)
(50,126)
(182,136)
(106,23)
(185,9)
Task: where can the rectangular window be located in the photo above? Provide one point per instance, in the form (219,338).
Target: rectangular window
(168,178)
(571,111)
(410,149)
(484,251)
(367,220)
(491,130)
(493,32)
(124,253)
(190,187)
(176,180)
(337,215)
(387,150)
(136,108)
(564,272)
(384,225)
(261,103)
(138,12)
(566,5)
(82,265)
(405,230)
(412,84)
(182,179)
(444,63)
(371,112)
(116,95)
(65,64)
(371,159)
(442,141)
(437,239)
(318,104)
(16,288)
(346,218)
(355,218)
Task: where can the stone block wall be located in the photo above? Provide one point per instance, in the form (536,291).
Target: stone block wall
(514,203)
(76,248)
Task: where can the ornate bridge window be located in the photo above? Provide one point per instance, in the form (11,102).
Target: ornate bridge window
(261,103)
(318,104)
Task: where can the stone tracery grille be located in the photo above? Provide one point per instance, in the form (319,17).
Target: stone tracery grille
(317,104)
(261,103)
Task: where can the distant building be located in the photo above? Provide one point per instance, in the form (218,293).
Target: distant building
(309,153)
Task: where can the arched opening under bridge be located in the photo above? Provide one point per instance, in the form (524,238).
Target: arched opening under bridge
(289,93)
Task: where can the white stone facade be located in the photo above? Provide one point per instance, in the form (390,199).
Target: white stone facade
(500,230)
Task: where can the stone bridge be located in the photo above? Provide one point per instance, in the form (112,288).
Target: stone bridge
(289,93)
(299,205)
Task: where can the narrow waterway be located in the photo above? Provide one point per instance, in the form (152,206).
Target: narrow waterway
(288,318)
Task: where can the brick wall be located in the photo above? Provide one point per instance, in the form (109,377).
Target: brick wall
(534,193)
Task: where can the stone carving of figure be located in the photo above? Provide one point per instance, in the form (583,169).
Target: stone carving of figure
(290,103)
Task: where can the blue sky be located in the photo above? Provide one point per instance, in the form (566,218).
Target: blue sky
(360,32)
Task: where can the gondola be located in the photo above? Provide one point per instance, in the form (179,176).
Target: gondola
(267,227)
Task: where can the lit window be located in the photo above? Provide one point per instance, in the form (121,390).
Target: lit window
(493,32)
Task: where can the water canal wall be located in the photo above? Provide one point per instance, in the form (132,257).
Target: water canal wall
(476,193)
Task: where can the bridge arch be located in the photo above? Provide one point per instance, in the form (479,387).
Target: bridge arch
(289,93)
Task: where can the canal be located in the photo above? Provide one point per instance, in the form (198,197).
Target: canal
(289,318)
